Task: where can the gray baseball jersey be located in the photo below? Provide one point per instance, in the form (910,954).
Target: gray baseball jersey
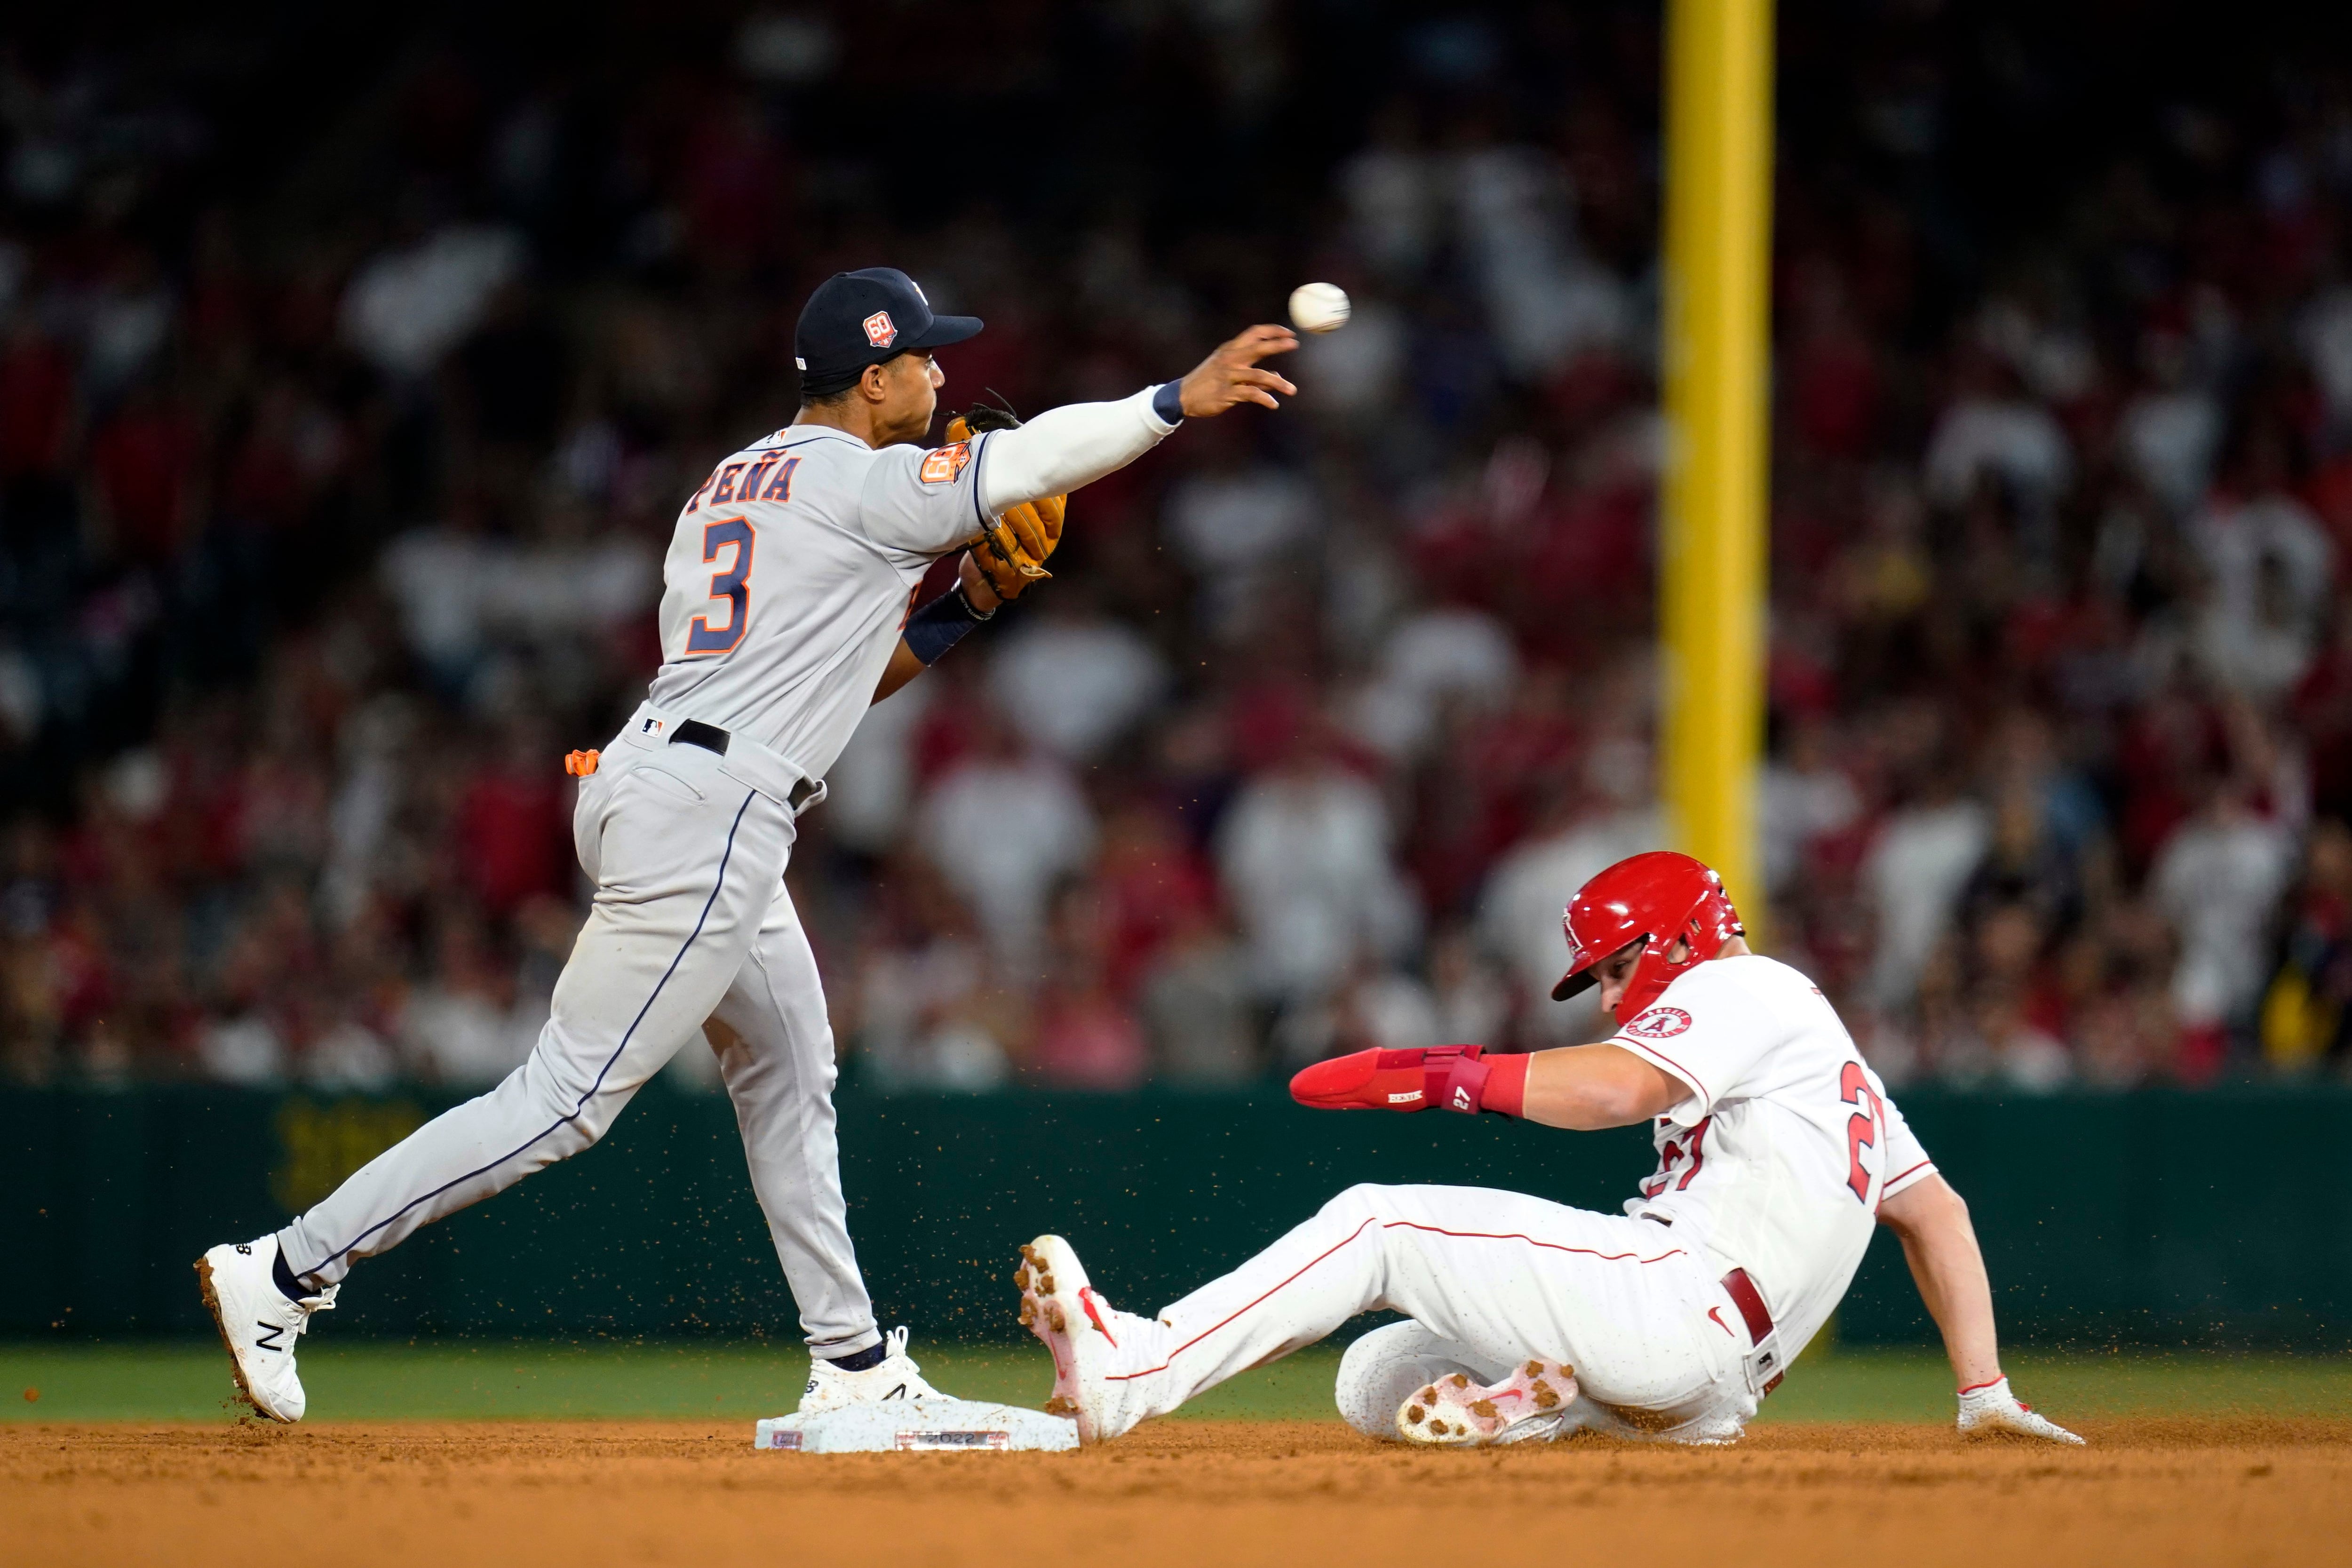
(793,566)
(790,575)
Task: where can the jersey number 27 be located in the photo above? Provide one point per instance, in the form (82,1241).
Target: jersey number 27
(1861,1128)
(732,584)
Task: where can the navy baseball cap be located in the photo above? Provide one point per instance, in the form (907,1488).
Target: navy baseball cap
(862,318)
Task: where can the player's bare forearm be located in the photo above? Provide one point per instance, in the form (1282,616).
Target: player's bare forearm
(1588,1088)
(904,662)
(1940,1245)
(904,667)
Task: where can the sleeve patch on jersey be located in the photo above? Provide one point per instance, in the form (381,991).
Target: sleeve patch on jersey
(946,463)
(1658,1024)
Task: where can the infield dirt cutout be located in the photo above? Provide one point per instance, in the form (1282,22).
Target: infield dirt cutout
(425,1494)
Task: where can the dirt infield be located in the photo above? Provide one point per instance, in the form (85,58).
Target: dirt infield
(1300,1494)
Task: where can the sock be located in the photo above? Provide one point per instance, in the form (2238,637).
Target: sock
(284,1278)
(873,1356)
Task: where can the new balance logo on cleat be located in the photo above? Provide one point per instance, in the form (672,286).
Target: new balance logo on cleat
(892,1377)
(267,1339)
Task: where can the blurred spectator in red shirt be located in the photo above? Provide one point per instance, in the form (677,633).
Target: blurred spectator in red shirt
(1086,1038)
(144,466)
(513,825)
(37,412)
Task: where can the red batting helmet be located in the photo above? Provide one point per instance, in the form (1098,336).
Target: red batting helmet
(1655,899)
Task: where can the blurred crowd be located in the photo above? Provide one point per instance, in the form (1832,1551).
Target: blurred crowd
(347,395)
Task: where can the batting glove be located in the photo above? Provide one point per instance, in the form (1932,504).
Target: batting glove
(1446,1078)
(1991,1410)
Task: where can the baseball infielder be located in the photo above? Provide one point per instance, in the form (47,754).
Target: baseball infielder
(1778,1149)
(786,611)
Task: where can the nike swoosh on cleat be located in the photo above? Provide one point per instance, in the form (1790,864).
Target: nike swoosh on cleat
(1087,1299)
(1716,1313)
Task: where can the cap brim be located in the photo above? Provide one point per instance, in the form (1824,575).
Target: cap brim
(1575,983)
(943,330)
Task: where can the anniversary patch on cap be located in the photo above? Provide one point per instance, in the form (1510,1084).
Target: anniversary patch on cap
(862,318)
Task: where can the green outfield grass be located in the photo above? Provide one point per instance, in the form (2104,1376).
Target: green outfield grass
(447,1380)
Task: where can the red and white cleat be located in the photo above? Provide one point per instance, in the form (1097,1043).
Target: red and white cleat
(1456,1412)
(1083,1332)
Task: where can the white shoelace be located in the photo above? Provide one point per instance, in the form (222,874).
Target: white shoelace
(324,1302)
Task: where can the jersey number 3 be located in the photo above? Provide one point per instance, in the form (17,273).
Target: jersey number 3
(1861,1128)
(732,584)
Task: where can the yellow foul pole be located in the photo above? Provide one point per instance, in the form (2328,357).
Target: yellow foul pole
(1718,164)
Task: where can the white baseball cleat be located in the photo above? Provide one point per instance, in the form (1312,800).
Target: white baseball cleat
(258,1323)
(1993,1411)
(894,1376)
(1083,1331)
(1456,1412)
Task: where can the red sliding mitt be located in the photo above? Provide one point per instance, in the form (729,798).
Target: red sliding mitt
(1452,1077)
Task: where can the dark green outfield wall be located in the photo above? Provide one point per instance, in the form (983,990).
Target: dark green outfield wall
(2218,1218)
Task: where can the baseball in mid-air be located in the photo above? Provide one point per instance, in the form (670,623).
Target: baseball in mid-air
(1318,306)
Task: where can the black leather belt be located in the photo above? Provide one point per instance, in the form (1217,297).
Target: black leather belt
(711,738)
(695,733)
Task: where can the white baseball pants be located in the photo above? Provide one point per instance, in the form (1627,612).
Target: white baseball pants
(691,931)
(1490,1280)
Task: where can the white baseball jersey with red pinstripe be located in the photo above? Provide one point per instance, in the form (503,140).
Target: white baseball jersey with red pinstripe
(1775,1164)
(1777,1161)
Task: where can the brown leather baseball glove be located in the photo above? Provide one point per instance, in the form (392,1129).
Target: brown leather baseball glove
(1011,551)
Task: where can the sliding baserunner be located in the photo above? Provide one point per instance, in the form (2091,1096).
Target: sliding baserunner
(786,610)
(1777,1150)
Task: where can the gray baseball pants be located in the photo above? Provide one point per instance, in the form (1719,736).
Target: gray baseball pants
(691,930)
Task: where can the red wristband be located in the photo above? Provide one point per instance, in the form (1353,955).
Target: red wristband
(1463,1078)
(1507,1084)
